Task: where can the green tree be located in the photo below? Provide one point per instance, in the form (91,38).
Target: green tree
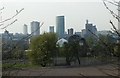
(71,52)
(43,49)
(104,46)
(18,53)
(117,50)
(67,52)
(90,41)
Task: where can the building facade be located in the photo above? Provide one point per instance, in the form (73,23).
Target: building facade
(70,31)
(51,29)
(35,28)
(83,33)
(60,26)
(91,29)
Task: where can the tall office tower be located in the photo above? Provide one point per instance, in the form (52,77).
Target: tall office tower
(25,29)
(35,29)
(60,28)
(51,29)
(70,31)
(119,16)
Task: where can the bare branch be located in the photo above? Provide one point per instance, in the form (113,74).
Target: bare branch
(112,13)
(115,30)
(104,43)
(2,8)
(113,25)
(113,3)
(1,24)
(97,37)
(17,12)
(13,16)
(9,24)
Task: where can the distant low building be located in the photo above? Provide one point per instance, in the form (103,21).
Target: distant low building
(112,37)
(83,33)
(70,31)
(11,40)
(78,33)
(91,30)
(104,32)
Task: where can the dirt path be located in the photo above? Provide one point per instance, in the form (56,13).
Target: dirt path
(104,70)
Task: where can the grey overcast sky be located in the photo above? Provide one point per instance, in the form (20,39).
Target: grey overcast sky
(75,11)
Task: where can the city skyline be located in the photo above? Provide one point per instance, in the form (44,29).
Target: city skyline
(75,13)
